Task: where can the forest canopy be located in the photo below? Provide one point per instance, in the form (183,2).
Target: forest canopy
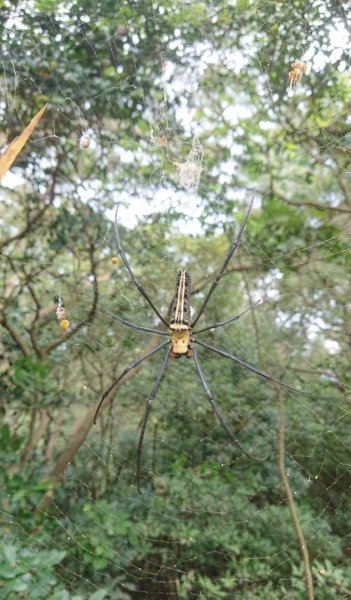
(181,113)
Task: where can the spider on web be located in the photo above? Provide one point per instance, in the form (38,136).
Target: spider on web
(181,340)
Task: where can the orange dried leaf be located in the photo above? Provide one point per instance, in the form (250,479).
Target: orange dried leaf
(13,149)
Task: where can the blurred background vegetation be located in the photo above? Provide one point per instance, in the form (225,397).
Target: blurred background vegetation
(140,79)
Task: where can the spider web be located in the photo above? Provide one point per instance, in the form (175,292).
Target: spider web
(210,523)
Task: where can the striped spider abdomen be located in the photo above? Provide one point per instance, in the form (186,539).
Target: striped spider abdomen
(180,317)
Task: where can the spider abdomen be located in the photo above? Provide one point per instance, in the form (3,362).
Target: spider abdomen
(180,315)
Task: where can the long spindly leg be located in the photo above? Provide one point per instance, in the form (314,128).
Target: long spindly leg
(228,320)
(146,415)
(131,273)
(218,413)
(247,366)
(134,364)
(226,261)
(134,325)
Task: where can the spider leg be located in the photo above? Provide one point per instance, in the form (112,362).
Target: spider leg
(146,414)
(131,273)
(247,366)
(228,320)
(226,261)
(218,412)
(134,364)
(134,325)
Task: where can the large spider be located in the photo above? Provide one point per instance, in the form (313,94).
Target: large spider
(181,334)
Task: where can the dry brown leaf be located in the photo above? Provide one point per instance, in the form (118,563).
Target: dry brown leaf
(17,144)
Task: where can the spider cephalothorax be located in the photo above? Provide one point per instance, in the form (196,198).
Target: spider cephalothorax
(182,332)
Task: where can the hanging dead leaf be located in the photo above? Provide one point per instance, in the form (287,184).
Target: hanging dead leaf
(15,147)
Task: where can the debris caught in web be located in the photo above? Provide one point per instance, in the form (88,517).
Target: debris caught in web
(61,315)
(299,68)
(189,172)
(84,141)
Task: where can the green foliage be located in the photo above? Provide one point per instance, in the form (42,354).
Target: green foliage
(22,490)
(227,552)
(28,572)
(30,373)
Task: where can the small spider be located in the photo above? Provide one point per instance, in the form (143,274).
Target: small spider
(180,339)
(160,140)
(298,69)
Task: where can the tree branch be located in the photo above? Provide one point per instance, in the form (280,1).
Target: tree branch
(37,216)
(81,431)
(315,205)
(289,494)
(15,336)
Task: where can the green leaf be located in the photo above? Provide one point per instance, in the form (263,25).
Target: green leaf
(99,595)
(54,557)
(17,585)
(10,553)
(47,5)
(9,571)
(5,435)
(99,564)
